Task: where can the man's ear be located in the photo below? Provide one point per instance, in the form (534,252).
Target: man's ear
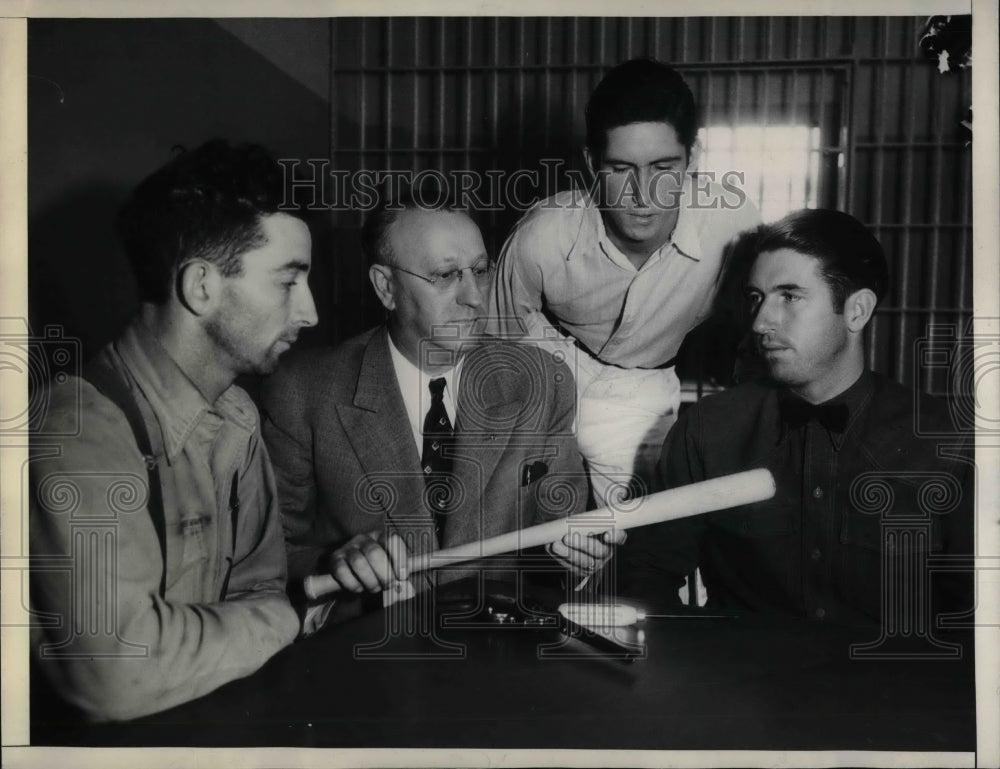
(198,286)
(381,277)
(858,309)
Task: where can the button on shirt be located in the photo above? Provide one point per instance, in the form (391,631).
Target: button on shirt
(414,387)
(559,266)
(816,549)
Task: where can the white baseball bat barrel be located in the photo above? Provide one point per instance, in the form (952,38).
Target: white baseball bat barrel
(694,499)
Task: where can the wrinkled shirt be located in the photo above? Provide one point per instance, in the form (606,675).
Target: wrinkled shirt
(115,647)
(563,278)
(853,512)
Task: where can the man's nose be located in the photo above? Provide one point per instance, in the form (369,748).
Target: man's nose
(640,187)
(305,309)
(764,318)
(469,291)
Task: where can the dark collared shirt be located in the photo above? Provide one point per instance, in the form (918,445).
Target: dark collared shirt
(861,513)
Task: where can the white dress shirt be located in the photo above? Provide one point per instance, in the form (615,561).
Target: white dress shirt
(414,386)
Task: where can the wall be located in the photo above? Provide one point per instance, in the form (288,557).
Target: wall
(107,101)
(108,98)
(505,93)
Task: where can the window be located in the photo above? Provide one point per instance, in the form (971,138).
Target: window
(780,163)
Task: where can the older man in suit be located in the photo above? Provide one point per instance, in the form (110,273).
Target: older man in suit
(418,435)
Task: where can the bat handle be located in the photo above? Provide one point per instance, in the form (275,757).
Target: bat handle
(315,586)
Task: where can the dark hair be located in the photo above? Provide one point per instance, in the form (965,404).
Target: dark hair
(641,91)
(205,203)
(850,256)
(431,196)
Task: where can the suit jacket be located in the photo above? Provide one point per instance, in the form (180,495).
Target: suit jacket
(346,462)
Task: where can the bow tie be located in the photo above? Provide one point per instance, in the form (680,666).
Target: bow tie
(833,416)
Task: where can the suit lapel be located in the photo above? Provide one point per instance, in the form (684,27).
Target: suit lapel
(378,429)
(488,408)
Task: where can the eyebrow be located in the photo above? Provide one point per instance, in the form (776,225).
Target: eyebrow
(453,262)
(665,159)
(296,266)
(781,287)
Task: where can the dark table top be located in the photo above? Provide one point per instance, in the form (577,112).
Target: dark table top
(421,674)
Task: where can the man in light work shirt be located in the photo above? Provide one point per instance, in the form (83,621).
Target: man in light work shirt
(626,272)
(155,525)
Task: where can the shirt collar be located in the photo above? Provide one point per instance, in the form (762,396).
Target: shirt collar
(684,237)
(854,399)
(177,404)
(414,385)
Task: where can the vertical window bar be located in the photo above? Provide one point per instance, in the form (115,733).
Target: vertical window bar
(964,233)
(903,254)
(793,110)
(362,106)
(520,88)
(735,148)
(602,32)
(546,114)
(846,155)
(878,125)
(708,111)
(791,81)
(495,79)
(852,107)
(416,93)
(388,93)
(442,36)
(468,93)
(935,231)
(965,194)
(574,74)
(495,117)
(826,138)
(766,144)
(765,112)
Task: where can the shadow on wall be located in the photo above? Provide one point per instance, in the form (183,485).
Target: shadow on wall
(525,146)
(78,276)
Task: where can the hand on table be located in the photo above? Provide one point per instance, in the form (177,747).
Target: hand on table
(367,563)
(584,555)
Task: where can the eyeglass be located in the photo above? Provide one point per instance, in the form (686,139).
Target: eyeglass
(480,273)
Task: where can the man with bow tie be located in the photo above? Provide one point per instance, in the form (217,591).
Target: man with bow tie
(418,434)
(865,500)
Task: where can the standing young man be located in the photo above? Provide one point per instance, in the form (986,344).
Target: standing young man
(156,527)
(625,273)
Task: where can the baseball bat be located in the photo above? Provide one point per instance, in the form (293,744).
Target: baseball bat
(684,501)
